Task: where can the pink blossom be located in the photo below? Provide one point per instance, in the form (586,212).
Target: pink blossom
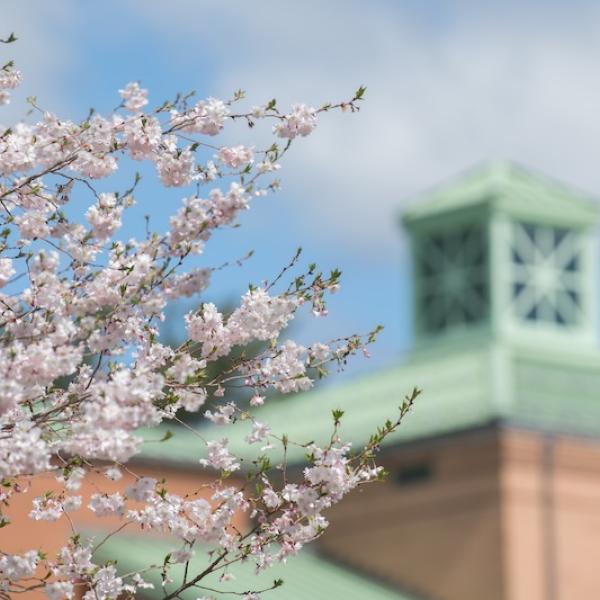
(81,367)
(207,117)
(235,156)
(134,96)
(6,271)
(300,121)
(9,79)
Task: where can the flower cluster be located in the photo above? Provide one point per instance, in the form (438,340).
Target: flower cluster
(10,78)
(260,317)
(82,368)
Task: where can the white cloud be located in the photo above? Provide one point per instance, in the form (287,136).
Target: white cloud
(44,51)
(447,87)
(445,91)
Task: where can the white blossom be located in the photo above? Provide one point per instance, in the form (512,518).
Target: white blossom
(105,505)
(18,566)
(219,457)
(260,431)
(59,590)
(142,489)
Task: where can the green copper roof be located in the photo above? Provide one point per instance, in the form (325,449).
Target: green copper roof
(463,387)
(306,576)
(506,187)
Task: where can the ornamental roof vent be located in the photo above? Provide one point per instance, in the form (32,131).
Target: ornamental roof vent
(506,253)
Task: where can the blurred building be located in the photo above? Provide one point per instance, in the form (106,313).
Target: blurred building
(494,486)
(495,477)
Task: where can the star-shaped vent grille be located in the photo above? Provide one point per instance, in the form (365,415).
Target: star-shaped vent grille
(452,279)
(546,274)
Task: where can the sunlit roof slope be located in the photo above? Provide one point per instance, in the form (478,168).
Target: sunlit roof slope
(471,387)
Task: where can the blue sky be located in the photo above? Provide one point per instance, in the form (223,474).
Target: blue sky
(449,84)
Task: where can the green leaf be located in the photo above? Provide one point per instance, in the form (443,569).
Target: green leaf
(10,39)
(360,92)
(337,415)
(168,435)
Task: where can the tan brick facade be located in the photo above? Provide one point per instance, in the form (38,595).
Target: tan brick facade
(505,515)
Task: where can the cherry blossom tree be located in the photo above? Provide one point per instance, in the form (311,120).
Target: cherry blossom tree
(82,369)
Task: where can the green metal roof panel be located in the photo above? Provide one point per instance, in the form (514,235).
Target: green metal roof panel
(305,576)
(457,395)
(557,397)
(468,388)
(510,188)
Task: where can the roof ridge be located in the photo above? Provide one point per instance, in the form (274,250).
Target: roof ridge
(495,179)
